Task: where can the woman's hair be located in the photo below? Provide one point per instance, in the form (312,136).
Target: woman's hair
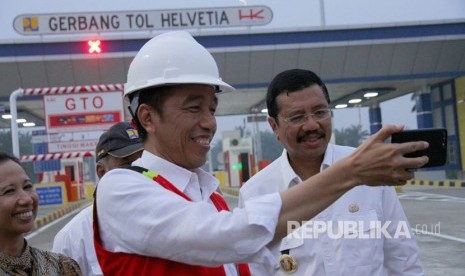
(4,157)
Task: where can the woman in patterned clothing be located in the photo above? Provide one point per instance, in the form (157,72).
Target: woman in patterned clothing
(18,210)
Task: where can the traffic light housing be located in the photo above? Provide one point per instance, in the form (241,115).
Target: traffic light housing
(95,46)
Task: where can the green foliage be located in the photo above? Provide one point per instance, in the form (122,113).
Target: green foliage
(351,136)
(215,150)
(271,148)
(24,142)
(25,149)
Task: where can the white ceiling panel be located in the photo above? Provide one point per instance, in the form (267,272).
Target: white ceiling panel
(237,65)
(310,59)
(284,60)
(33,74)
(59,72)
(452,56)
(356,62)
(10,79)
(86,71)
(112,70)
(239,102)
(332,64)
(379,59)
(220,59)
(261,67)
(427,57)
(403,58)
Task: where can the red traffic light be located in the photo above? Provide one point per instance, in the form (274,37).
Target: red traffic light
(94,46)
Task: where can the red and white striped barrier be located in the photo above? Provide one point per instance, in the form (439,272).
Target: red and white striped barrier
(54,156)
(73,89)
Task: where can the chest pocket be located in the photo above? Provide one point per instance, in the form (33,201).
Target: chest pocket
(356,240)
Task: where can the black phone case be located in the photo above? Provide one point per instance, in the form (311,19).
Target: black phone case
(437,139)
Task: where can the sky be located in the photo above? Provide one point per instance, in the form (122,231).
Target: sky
(395,111)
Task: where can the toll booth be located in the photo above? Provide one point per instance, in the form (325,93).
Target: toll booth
(72,176)
(239,159)
(73,181)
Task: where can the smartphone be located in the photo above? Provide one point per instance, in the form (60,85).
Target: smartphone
(437,139)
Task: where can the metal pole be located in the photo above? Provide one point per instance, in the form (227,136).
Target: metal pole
(259,142)
(14,125)
(255,143)
(322,13)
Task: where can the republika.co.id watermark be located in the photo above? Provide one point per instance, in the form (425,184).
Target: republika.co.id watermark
(350,229)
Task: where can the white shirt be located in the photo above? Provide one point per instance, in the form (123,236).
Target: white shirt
(76,240)
(137,215)
(329,253)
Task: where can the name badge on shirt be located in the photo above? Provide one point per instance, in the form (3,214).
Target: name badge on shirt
(353,208)
(287,263)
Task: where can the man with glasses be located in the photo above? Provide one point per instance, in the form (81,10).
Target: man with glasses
(365,232)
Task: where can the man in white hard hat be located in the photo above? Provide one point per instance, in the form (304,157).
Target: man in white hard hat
(117,147)
(163,217)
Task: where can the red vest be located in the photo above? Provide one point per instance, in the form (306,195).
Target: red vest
(118,263)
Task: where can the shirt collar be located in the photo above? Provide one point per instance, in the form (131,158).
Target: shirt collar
(177,175)
(289,175)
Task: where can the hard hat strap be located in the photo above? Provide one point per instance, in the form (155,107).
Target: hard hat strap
(133,106)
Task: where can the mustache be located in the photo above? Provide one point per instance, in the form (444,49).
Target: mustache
(306,134)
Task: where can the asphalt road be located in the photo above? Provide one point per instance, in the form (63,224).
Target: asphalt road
(437,215)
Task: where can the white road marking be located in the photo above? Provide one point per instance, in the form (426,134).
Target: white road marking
(48,225)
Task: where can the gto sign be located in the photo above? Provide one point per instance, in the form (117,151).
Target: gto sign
(83,112)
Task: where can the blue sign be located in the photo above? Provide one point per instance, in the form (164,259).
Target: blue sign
(44,165)
(50,195)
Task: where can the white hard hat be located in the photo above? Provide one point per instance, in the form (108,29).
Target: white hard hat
(173,58)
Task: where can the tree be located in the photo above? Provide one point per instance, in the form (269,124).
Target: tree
(271,148)
(26,149)
(215,150)
(351,136)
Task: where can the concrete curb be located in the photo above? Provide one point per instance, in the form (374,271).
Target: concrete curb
(234,191)
(46,219)
(437,183)
(231,191)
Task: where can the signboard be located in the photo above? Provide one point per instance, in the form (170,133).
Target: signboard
(82,112)
(50,195)
(68,146)
(76,141)
(66,23)
(257,118)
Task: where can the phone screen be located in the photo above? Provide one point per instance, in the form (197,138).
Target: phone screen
(437,139)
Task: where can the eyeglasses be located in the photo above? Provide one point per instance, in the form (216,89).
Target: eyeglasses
(300,119)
